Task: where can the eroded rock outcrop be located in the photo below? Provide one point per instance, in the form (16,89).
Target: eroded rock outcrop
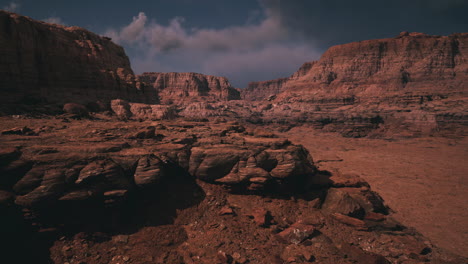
(125,110)
(41,61)
(168,196)
(176,87)
(255,163)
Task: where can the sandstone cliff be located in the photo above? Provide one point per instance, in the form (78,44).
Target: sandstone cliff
(411,63)
(61,64)
(262,90)
(413,82)
(175,87)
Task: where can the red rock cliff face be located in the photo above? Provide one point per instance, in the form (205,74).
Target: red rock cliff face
(60,64)
(263,90)
(266,89)
(412,82)
(175,87)
(410,63)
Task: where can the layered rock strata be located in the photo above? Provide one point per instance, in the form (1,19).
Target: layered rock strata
(176,87)
(41,61)
(412,82)
(263,90)
(411,64)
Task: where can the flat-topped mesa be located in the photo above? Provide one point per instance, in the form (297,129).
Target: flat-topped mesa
(175,87)
(61,64)
(409,63)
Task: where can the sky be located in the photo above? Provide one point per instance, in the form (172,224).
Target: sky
(244,40)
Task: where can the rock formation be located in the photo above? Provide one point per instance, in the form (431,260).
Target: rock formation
(263,90)
(41,61)
(176,87)
(412,82)
(410,85)
(137,111)
(412,63)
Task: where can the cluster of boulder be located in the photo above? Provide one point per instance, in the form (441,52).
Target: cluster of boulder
(250,162)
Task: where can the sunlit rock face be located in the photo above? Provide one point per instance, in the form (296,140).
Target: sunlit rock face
(409,63)
(413,82)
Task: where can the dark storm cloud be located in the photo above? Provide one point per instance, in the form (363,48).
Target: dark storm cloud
(332,22)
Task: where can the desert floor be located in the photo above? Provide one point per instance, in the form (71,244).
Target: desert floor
(423,180)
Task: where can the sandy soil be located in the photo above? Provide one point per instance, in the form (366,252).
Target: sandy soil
(423,180)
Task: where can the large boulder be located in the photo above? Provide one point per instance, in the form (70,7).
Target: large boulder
(76,109)
(31,180)
(339,201)
(106,174)
(152,112)
(254,165)
(150,171)
(355,202)
(121,108)
(52,186)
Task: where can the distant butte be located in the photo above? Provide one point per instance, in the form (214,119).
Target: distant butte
(176,87)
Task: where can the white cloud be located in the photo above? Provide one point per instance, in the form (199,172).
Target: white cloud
(12,7)
(54,20)
(175,36)
(131,33)
(242,53)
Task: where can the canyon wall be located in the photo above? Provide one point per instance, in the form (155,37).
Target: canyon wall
(174,87)
(414,82)
(411,63)
(59,64)
(263,90)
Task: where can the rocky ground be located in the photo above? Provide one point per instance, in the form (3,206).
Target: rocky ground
(423,180)
(110,191)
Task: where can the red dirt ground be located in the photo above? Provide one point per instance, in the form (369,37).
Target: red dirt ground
(424,180)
